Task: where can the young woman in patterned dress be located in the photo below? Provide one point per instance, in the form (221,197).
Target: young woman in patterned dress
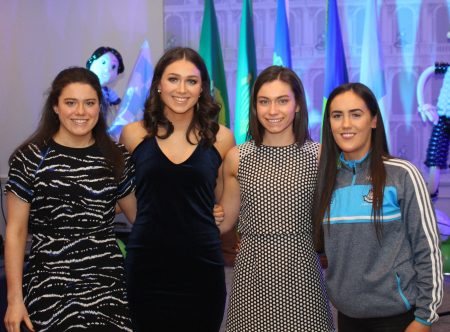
(64,183)
(269,182)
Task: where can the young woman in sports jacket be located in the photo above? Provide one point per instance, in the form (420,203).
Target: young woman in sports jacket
(374,219)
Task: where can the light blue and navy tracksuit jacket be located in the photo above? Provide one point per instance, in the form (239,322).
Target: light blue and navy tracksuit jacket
(368,278)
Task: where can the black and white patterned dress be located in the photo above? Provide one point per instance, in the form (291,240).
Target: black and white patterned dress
(278,283)
(75,277)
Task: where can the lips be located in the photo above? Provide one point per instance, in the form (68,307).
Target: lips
(347,135)
(80,121)
(274,121)
(180,99)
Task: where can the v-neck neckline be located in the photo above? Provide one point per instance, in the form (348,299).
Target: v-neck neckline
(169,160)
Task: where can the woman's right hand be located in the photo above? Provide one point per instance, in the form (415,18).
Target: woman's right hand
(218,214)
(16,313)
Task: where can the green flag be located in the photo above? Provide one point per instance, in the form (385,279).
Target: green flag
(246,72)
(211,52)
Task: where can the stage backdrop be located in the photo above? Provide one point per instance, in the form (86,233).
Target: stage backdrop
(41,37)
(412,37)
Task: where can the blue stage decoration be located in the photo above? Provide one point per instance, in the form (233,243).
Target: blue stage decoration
(132,106)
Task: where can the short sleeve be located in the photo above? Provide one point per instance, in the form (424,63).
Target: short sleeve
(22,171)
(127,182)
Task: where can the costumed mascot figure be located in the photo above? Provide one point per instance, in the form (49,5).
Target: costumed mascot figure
(107,64)
(438,146)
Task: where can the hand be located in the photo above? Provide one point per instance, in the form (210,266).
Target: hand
(15,315)
(415,326)
(428,112)
(218,213)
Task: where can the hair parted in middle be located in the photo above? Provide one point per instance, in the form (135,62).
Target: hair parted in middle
(204,121)
(329,161)
(300,124)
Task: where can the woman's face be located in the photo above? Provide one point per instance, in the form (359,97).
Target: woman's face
(351,124)
(276,108)
(180,88)
(106,68)
(78,110)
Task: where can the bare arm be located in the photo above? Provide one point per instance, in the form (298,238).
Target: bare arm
(230,200)
(132,134)
(225,141)
(128,206)
(16,237)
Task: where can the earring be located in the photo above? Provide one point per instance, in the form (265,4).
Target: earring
(159,90)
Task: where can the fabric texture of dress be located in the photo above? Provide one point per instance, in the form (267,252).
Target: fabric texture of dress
(278,283)
(75,278)
(175,267)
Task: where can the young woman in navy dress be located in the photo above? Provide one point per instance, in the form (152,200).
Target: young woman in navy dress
(175,267)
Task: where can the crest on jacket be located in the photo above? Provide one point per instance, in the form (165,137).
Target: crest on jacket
(369,197)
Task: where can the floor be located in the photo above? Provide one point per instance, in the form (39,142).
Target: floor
(443,325)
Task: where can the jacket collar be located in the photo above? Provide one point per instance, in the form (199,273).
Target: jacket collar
(352,164)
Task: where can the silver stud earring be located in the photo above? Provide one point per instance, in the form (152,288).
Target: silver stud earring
(159,90)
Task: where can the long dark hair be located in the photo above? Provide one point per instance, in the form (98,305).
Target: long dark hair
(49,122)
(300,124)
(328,164)
(205,113)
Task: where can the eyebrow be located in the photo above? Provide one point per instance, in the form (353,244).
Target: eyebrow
(351,110)
(73,98)
(189,76)
(278,97)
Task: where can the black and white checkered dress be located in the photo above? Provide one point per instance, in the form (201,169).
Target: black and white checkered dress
(278,283)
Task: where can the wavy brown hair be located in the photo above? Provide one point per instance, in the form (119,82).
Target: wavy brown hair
(328,164)
(204,122)
(49,122)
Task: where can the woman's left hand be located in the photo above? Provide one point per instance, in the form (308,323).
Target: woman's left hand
(415,326)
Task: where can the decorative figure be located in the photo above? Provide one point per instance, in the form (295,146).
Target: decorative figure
(438,146)
(107,64)
(439,115)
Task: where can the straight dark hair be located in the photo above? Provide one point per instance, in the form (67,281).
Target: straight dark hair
(300,124)
(205,113)
(49,123)
(329,159)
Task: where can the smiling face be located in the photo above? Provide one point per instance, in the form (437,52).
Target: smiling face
(78,110)
(106,68)
(180,88)
(275,109)
(351,124)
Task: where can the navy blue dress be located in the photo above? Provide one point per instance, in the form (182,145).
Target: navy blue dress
(175,274)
